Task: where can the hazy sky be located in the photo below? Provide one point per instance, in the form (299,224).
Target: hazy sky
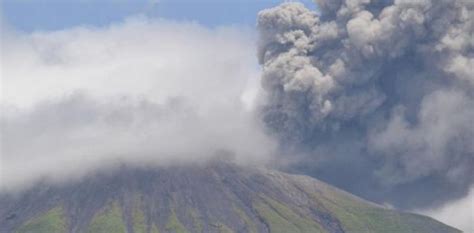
(30,15)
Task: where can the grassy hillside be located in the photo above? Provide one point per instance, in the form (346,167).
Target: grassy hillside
(108,220)
(215,199)
(53,221)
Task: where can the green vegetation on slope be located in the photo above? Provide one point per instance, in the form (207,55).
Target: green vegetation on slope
(138,217)
(52,221)
(197,222)
(154,229)
(108,220)
(281,219)
(275,222)
(304,224)
(251,227)
(357,217)
(174,225)
(273,208)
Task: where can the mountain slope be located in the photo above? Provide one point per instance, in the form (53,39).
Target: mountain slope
(214,198)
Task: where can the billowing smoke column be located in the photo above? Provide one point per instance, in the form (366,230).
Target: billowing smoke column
(378,95)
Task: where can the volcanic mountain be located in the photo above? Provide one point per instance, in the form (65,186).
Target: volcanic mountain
(216,197)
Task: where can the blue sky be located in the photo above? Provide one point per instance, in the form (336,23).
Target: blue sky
(32,15)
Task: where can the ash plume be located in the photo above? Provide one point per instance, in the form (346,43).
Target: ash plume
(377,96)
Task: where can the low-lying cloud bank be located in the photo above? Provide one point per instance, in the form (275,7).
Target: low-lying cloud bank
(142,92)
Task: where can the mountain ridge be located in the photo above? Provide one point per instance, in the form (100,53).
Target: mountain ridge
(216,197)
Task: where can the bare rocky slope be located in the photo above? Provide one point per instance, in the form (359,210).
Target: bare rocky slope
(217,197)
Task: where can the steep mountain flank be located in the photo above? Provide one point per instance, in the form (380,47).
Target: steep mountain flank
(219,197)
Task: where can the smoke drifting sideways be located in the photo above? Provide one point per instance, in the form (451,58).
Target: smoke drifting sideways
(142,92)
(376,97)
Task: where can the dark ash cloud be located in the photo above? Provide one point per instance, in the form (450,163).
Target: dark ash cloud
(378,95)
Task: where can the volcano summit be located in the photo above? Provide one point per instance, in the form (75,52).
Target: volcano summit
(217,197)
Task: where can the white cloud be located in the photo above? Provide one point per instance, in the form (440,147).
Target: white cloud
(459,213)
(139,57)
(142,91)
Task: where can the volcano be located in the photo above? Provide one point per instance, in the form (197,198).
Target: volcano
(216,197)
